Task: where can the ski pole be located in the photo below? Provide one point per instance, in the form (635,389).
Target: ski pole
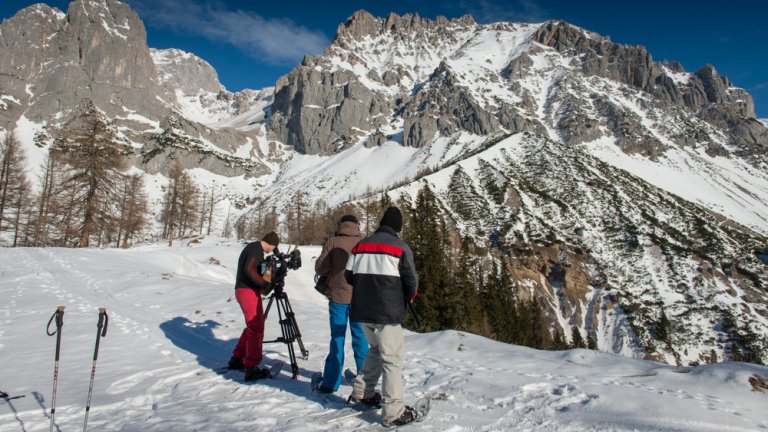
(416,318)
(101,331)
(58,316)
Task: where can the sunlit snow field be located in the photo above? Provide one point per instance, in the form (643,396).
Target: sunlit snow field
(173,320)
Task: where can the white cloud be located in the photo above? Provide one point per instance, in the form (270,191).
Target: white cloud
(273,40)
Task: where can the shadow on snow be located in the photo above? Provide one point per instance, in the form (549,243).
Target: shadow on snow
(212,353)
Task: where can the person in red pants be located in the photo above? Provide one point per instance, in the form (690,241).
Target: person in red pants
(250,284)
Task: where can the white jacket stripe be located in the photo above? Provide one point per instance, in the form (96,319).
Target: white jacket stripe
(376,264)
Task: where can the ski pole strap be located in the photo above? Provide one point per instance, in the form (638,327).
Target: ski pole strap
(59,317)
(103,321)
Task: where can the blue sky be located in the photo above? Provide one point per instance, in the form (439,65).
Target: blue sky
(252,43)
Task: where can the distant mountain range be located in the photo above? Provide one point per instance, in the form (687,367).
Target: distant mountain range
(621,187)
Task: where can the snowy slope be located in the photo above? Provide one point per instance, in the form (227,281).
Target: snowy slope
(506,73)
(173,319)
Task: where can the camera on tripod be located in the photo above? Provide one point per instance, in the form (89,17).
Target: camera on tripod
(278,265)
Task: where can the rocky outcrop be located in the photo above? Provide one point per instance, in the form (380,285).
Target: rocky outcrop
(179,70)
(321,111)
(51,64)
(100,54)
(710,95)
(362,24)
(444,106)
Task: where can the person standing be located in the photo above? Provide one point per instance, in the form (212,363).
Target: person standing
(331,264)
(249,286)
(384,279)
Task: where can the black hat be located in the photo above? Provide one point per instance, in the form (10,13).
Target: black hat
(393,219)
(348,218)
(271,238)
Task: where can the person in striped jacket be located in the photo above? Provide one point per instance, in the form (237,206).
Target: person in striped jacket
(384,279)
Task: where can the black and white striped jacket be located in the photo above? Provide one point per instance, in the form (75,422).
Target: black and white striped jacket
(383,278)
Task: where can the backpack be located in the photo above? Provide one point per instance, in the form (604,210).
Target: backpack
(321,284)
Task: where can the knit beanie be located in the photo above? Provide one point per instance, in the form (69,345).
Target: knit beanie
(348,218)
(271,238)
(393,219)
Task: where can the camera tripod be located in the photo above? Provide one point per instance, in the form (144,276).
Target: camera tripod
(288,326)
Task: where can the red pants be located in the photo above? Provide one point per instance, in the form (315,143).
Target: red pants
(249,346)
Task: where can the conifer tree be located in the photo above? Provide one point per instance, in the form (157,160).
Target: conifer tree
(133,210)
(500,304)
(591,342)
(15,188)
(14,185)
(577,340)
(180,210)
(423,232)
(558,341)
(88,146)
(46,201)
(462,300)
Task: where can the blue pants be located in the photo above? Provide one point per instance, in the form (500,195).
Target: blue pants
(339,316)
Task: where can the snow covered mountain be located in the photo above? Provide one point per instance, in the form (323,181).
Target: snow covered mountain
(629,193)
(621,187)
(52,65)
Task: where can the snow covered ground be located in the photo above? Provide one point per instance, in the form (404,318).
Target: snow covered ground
(173,319)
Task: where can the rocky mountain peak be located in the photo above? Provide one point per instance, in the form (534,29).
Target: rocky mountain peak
(361,24)
(186,71)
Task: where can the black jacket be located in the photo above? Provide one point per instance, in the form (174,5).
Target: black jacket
(383,278)
(249,268)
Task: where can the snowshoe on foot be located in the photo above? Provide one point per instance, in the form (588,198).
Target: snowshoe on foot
(317,384)
(235,364)
(374,400)
(254,373)
(409,415)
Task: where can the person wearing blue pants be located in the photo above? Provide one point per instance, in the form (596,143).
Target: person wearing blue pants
(339,316)
(331,264)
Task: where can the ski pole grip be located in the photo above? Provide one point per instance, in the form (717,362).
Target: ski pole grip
(103,321)
(59,317)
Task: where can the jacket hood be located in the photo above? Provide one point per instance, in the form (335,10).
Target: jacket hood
(349,229)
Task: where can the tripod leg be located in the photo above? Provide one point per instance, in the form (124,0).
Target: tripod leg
(288,336)
(269,305)
(295,326)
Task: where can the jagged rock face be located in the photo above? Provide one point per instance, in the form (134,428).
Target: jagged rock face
(19,64)
(320,112)
(322,109)
(706,93)
(444,106)
(197,90)
(432,78)
(97,54)
(185,72)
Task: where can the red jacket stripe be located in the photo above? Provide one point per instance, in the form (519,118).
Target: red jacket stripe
(378,249)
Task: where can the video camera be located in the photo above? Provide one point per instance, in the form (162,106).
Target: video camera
(278,265)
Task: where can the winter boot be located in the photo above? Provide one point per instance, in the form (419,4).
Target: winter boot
(317,384)
(254,373)
(409,415)
(235,364)
(372,401)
